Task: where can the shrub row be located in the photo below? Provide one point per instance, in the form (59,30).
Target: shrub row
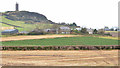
(59,47)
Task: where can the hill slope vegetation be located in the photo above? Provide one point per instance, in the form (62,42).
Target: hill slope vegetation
(24,20)
(26,16)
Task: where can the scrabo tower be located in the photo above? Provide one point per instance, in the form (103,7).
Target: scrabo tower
(17,6)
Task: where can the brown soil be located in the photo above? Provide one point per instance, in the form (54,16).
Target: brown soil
(34,37)
(60,58)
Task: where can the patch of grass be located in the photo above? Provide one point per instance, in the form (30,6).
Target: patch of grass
(4,25)
(62,42)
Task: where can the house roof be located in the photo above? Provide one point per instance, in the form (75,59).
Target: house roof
(90,30)
(24,32)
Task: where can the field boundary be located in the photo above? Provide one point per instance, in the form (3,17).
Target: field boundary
(106,47)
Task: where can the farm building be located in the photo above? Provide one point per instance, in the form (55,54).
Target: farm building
(10,31)
(43,31)
(23,32)
(106,29)
(90,31)
(53,31)
(64,30)
(60,30)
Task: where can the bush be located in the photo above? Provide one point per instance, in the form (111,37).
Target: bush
(108,34)
(101,32)
(62,48)
(84,31)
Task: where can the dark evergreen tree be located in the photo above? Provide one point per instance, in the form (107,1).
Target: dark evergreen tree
(74,24)
(95,31)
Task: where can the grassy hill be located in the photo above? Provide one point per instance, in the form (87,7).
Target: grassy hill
(26,21)
(25,16)
(25,27)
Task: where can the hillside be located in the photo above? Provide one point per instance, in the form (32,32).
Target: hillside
(26,16)
(21,25)
(24,20)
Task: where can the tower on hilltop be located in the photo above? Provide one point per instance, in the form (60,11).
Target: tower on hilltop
(17,6)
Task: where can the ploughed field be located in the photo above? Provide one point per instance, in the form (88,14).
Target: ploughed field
(60,58)
(27,37)
(63,41)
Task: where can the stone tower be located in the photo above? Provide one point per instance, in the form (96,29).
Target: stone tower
(17,7)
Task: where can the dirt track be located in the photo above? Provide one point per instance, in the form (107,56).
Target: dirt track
(33,37)
(60,58)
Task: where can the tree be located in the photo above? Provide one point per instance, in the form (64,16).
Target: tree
(116,29)
(84,30)
(101,31)
(95,31)
(112,29)
(73,24)
(106,27)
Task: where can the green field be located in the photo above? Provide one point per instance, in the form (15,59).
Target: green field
(26,27)
(4,25)
(62,42)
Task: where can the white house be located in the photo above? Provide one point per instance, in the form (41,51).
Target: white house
(90,31)
(64,30)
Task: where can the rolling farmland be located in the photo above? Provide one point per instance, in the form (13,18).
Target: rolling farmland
(53,50)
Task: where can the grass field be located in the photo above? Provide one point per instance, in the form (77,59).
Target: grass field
(26,27)
(4,25)
(62,41)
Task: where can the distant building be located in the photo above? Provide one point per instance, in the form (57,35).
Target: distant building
(60,30)
(118,30)
(52,31)
(23,32)
(106,28)
(17,7)
(90,31)
(10,31)
(64,30)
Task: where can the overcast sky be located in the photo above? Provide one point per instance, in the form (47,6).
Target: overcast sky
(88,13)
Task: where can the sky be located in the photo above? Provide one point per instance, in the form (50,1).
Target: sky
(85,13)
